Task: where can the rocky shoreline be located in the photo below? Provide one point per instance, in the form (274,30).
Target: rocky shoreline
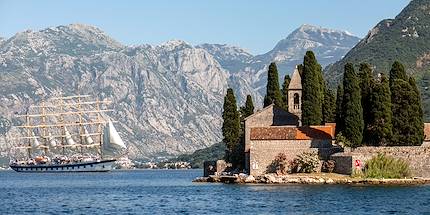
(317,178)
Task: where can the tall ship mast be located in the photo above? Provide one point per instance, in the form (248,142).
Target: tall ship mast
(67,134)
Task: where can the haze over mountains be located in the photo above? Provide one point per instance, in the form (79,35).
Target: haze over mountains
(167,98)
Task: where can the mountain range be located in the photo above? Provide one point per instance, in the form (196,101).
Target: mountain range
(167,98)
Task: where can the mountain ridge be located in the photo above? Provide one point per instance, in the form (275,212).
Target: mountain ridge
(167,97)
(402,38)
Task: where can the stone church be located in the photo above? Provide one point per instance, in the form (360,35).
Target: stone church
(274,130)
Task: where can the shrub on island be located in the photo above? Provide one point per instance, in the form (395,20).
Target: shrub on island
(306,162)
(382,166)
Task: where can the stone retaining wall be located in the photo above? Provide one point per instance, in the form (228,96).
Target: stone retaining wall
(418,158)
(263,152)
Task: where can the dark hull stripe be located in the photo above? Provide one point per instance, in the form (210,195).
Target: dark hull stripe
(77,167)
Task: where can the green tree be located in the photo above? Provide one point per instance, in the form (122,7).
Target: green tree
(379,128)
(408,126)
(245,111)
(404,130)
(300,69)
(425,94)
(329,106)
(397,72)
(339,118)
(273,93)
(366,83)
(230,126)
(285,85)
(417,119)
(312,91)
(352,111)
(248,109)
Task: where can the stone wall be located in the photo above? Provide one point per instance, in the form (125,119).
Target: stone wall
(418,158)
(263,152)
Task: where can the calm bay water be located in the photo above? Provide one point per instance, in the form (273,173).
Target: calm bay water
(171,191)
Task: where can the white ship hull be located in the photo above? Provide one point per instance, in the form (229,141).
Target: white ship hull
(94,166)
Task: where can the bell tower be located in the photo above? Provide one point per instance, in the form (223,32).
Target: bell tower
(295,95)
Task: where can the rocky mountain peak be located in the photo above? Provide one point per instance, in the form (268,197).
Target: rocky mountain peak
(307,28)
(316,36)
(225,50)
(174,45)
(73,39)
(230,57)
(327,44)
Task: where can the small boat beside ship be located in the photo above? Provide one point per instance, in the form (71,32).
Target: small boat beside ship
(67,134)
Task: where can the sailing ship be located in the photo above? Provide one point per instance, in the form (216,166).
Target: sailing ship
(67,134)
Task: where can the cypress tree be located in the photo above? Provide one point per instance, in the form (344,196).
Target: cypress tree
(366,83)
(239,151)
(404,130)
(408,126)
(312,91)
(352,111)
(329,106)
(300,69)
(425,95)
(339,117)
(397,72)
(230,125)
(285,85)
(417,119)
(273,93)
(248,109)
(379,129)
(366,80)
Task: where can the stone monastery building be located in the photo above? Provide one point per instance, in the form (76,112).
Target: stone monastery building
(274,130)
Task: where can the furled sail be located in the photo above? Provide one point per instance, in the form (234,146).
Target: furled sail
(112,142)
(35,143)
(88,138)
(51,140)
(69,138)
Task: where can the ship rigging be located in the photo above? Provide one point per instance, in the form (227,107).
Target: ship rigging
(67,134)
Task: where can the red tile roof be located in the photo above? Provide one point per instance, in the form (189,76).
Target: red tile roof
(292,133)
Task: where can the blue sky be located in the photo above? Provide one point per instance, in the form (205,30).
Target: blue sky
(254,25)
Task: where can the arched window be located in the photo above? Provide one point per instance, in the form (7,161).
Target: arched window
(296,101)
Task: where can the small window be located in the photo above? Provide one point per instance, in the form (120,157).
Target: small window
(296,101)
